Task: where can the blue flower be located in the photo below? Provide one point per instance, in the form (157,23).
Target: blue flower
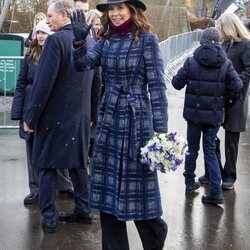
(153,148)
(171,136)
(178,162)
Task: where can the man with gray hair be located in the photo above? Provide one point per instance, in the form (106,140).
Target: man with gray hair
(60,123)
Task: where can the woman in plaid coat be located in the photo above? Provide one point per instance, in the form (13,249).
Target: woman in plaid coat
(133,107)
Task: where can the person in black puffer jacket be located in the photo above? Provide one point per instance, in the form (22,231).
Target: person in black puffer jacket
(210,80)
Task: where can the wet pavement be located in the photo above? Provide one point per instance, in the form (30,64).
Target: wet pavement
(192,225)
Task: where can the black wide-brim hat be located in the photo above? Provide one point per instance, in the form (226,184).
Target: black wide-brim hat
(103,6)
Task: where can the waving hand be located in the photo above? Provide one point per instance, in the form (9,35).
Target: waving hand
(80,28)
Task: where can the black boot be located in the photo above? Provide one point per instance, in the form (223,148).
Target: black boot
(213,199)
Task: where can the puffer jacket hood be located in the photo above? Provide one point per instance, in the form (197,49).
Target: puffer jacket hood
(211,56)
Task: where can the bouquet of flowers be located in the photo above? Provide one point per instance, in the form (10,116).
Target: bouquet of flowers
(164,151)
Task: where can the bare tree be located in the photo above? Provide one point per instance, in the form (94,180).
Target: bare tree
(4,12)
(204,8)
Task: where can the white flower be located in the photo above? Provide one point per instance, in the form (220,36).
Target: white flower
(144,150)
(164,151)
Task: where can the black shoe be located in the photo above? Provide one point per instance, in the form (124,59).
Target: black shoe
(204,179)
(31,198)
(68,192)
(191,189)
(213,199)
(49,227)
(85,218)
(227,185)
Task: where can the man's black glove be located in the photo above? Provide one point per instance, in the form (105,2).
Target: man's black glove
(80,28)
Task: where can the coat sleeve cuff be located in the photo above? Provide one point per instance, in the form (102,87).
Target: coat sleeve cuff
(78,44)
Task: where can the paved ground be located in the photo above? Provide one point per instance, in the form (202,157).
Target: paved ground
(192,225)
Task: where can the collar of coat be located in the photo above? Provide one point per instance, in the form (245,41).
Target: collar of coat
(67,26)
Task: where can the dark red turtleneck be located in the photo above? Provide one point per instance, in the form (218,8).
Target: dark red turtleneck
(122,29)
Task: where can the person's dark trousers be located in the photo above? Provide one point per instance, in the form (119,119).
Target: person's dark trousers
(231,153)
(193,137)
(211,159)
(63,181)
(114,233)
(91,146)
(218,154)
(32,170)
(79,178)
(47,192)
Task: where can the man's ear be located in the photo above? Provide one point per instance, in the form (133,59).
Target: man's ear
(65,14)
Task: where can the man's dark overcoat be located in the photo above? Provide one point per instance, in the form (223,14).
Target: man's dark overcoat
(59,106)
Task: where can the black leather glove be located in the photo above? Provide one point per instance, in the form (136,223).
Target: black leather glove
(80,28)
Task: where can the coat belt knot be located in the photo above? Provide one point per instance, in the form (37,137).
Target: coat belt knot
(113,92)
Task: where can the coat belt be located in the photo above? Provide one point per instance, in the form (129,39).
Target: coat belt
(113,93)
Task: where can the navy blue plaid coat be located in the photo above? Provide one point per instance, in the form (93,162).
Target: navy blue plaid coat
(133,106)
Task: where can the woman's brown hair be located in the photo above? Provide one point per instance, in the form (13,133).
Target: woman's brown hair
(139,23)
(34,51)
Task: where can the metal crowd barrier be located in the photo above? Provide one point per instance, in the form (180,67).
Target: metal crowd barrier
(176,49)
